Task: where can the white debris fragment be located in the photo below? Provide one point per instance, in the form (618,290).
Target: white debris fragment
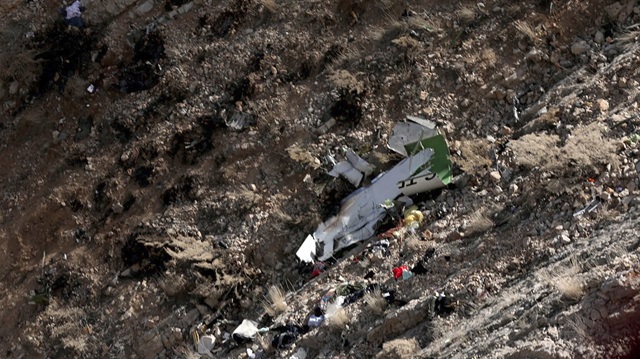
(73,10)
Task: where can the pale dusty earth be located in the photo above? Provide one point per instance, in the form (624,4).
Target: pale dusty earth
(133,217)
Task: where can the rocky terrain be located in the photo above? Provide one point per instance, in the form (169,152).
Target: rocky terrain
(162,163)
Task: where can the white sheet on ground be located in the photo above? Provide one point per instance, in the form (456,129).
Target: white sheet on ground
(307,250)
(247,329)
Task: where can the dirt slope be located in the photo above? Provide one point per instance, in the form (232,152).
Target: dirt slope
(134,214)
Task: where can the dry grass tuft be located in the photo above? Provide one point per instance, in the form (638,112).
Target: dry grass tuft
(375,302)
(475,156)
(173,284)
(565,280)
(489,56)
(535,150)
(344,80)
(399,349)
(569,287)
(275,301)
(627,39)
(338,318)
(270,6)
(587,147)
(413,244)
(579,327)
(186,353)
(527,30)
(466,13)
(478,223)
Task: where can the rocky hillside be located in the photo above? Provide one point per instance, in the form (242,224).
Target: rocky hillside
(162,161)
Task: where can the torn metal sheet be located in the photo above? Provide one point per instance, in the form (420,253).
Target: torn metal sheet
(412,131)
(240,120)
(360,164)
(591,206)
(354,169)
(362,210)
(346,170)
(307,251)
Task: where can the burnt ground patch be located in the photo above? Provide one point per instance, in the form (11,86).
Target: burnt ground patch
(186,189)
(64,51)
(143,175)
(169,4)
(143,72)
(188,146)
(149,256)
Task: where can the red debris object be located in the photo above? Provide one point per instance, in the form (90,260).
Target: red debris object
(318,268)
(397,271)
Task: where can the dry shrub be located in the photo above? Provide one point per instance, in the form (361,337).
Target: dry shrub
(275,301)
(589,147)
(475,156)
(565,280)
(586,147)
(489,56)
(270,6)
(524,28)
(569,287)
(406,42)
(375,302)
(186,353)
(68,327)
(479,222)
(344,80)
(627,39)
(578,326)
(173,284)
(17,61)
(399,349)
(338,319)
(303,156)
(413,244)
(535,150)
(466,13)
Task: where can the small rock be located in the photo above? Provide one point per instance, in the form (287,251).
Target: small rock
(534,55)
(599,38)
(117,208)
(605,196)
(145,7)
(513,188)
(495,177)
(579,48)
(564,238)
(186,7)
(602,104)
(13,87)
(55,134)
(613,10)
(454,236)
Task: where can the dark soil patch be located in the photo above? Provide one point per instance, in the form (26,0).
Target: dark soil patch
(65,51)
(149,256)
(143,72)
(185,189)
(143,175)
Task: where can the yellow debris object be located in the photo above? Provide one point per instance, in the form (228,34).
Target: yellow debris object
(413,217)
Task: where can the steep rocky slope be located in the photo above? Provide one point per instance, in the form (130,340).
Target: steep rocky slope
(134,215)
